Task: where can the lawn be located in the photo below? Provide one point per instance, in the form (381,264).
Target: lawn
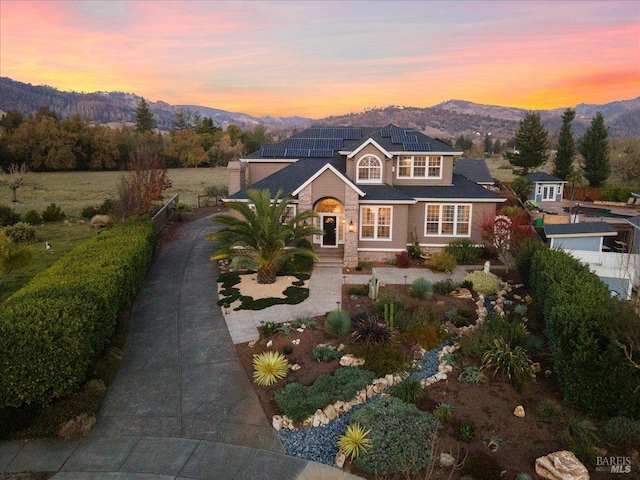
(73,191)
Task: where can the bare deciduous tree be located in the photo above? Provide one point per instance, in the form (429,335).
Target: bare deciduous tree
(15,178)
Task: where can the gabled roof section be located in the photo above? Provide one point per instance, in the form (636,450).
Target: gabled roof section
(463,190)
(474,169)
(542,177)
(585,229)
(292,176)
(369,141)
(330,167)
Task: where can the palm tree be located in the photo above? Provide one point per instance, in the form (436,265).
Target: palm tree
(261,237)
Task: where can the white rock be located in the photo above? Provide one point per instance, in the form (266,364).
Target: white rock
(300,330)
(562,465)
(519,411)
(269,343)
(295,367)
(389,379)
(277,422)
(296,341)
(253,343)
(447,460)
(340,459)
(535,367)
(440,376)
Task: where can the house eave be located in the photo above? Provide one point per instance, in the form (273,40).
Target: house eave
(467,200)
(369,141)
(269,160)
(326,167)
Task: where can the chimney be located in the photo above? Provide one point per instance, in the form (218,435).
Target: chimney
(236,176)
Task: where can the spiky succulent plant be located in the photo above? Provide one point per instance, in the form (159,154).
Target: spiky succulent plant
(354,441)
(269,367)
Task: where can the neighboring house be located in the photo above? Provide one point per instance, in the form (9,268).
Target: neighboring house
(586,242)
(546,188)
(635,223)
(374,189)
(474,169)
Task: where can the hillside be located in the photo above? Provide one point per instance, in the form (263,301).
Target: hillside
(116,108)
(447,120)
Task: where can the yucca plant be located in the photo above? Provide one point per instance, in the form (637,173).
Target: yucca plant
(421,288)
(354,441)
(269,367)
(338,323)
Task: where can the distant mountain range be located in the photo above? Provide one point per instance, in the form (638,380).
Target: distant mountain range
(447,120)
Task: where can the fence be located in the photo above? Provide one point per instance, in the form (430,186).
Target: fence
(163,215)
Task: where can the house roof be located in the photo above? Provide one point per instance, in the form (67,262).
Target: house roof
(291,177)
(462,189)
(635,221)
(474,169)
(585,229)
(386,193)
(324,142)
(542,177)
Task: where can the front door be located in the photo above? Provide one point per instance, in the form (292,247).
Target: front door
(549,193)
(329,237)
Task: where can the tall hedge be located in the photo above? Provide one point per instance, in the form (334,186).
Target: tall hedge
(592,371)
(57,324)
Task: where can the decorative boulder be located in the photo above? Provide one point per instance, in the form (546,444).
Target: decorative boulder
(562,465)
(519,411)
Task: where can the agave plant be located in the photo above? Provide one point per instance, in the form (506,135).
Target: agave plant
(269,367)
(354,441)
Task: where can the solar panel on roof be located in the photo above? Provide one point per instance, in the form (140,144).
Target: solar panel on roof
(346,133)
(397,137)
(273,152)
(416,147)
(319,153)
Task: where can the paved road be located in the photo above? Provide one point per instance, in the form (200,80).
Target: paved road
(180,405)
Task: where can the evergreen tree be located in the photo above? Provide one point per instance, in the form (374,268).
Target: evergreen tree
(563,163)
(532,143)
(594,148)
(144,118)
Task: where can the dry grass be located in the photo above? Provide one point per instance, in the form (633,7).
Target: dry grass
(72,191)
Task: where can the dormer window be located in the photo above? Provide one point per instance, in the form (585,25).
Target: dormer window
(419,166)
(370,169)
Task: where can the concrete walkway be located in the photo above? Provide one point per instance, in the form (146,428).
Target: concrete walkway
(325,291)
(180,405)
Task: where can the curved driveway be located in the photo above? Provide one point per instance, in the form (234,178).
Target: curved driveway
(180,405)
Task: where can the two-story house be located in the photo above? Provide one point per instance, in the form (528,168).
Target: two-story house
(374,189)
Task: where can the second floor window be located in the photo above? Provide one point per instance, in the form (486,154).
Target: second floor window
(419,166)
(369,169)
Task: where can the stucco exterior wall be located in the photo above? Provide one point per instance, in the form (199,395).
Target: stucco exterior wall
(328,184)
(447,175)
(479,213)
(399,222)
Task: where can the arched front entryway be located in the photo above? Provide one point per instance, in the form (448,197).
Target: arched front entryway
(332,222)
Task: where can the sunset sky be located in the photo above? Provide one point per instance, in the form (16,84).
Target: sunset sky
(321,58)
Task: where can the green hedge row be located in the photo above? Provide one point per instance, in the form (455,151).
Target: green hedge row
(592,371)
(59,322)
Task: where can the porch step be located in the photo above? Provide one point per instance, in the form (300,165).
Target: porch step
(330,258)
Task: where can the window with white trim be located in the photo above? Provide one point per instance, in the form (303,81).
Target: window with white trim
(375,223)
(369,169)
(419,166)
(289,213)
(450,220)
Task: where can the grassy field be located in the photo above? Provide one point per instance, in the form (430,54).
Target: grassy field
(72,191)
(62,236)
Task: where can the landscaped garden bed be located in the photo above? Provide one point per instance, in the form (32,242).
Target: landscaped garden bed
(476,409)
